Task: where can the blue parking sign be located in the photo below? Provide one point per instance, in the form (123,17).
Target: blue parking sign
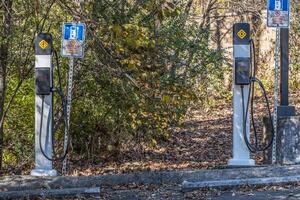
(278,13)
(73,38)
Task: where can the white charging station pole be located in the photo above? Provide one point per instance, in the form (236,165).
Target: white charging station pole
(241,50)
(43,61)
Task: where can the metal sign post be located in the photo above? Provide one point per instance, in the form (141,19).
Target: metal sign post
(72,47)
(279,17)
(285,109)
(276,83)
(43,106)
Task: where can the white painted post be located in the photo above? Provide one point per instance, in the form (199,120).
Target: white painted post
(241,154)
(43,60)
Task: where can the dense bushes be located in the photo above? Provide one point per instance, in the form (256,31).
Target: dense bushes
(143,77)
(146,63)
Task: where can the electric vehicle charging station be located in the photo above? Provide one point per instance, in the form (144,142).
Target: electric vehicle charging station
(244,73)
(241,63)
(43,105)
(45,90)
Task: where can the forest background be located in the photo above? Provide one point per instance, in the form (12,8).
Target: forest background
(148,63)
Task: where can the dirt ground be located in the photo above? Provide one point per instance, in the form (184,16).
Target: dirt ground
(204,141)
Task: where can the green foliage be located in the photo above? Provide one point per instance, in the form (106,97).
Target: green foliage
(145,65)
(294,50)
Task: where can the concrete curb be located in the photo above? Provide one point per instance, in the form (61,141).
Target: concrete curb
(56,193)
(190,186)
(18,183)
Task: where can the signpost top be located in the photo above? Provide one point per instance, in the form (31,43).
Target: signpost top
(73,38)
(278,5)
(278,13)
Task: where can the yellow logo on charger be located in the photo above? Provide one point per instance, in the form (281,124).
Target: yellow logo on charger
(242,34)
(43,44)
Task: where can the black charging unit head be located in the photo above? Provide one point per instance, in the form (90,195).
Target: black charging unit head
(242,58)
(241,34)
(43,69)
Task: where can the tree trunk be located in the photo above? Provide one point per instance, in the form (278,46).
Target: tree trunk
(4,46)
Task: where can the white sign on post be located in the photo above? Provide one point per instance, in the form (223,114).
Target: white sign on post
(278,13)
(73,38)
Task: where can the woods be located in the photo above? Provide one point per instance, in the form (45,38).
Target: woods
(148,63)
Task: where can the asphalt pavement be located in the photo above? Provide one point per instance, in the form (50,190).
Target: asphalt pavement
(291,194)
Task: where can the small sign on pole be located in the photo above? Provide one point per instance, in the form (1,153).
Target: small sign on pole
(72,46)
(278,13)
(73,38)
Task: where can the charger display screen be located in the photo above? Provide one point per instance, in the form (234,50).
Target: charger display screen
(42,81)
(242,71)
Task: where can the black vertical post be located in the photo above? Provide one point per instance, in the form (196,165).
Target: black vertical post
(284,69)
(284,108)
